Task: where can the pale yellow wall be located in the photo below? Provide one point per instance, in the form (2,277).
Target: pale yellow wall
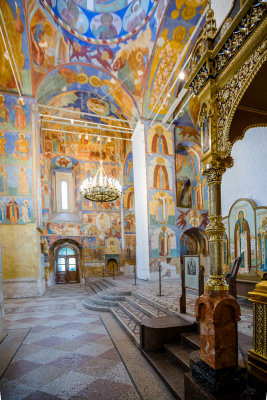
(20,251)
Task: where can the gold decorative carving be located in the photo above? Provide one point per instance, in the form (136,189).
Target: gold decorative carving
(216,282)
(210,29)
(230,95)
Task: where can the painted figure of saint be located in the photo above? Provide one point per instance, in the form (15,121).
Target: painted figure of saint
(22,149)
(23,182)
(12,211)
(2,146)
(25,212)
(242,241)
(3,179)
(137,15)
(4,113)
(107,30)
(20,116)
(262,244)
(164,242)
(2,216)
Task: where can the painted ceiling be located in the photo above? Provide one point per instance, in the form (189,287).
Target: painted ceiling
(121,52)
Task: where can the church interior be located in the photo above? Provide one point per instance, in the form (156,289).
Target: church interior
(133,199)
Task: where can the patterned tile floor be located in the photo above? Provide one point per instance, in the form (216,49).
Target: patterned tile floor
(67,353)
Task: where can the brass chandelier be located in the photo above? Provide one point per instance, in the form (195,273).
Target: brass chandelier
(101,188)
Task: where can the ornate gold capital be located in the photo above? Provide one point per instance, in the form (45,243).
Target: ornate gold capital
(214,173)
(216,282)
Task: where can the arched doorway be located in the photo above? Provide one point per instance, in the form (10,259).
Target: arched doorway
(194,242)
(66,264)
(112,265)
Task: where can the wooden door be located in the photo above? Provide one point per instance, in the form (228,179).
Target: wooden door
(67,265)
(61,271)
(72,269)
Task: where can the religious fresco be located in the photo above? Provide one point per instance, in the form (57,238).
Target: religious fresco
(16,29)
(161,208)
(128,170)
(160,140)
(261,224)
(16,210)
(191,188)
(129,221)
(112,246)
(128,198)
(174,37)
(16,171)
(130,247)
(186,127)
(163,242)
(101,22)
(186,219)
(160,172)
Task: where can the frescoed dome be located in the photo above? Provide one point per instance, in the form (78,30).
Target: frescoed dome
(101,21)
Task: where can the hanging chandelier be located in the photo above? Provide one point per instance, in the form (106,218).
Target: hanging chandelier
(101,188)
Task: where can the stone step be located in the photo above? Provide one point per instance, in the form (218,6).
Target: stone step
(96,299)
(154,304)
(179,354)
(131,327)
(129,313)
(142,307)
(111,297)
(87,303)
(120,291)
(172,375)
(192,339)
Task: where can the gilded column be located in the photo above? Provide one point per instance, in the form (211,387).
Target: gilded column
(215,229)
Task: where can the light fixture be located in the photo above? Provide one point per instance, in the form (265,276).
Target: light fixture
(101,188)
(182,75)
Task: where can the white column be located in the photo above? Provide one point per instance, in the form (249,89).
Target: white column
(122,226)
(140,195)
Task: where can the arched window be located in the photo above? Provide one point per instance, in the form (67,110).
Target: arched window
(64,195)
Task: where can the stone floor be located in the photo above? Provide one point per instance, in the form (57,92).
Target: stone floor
(171,293)
(57,350)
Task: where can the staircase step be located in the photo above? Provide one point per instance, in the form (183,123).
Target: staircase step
(131,327)
(172,375)
(129,313)
(96,299)
(179,354)
(142,307)
(192,339)
(93,306)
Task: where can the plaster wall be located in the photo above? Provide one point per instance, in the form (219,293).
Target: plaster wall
(23,271)
(247,178)
(2,319)
(141,209)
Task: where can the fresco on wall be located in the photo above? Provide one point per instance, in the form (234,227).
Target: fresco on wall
(243,234)
(261,222)
(163,242)
(186,219)
(159,140)
(15,181)
(160,172)
(186,123)
(128,170)
(16,210)
(15,25)
(130,247)
(15,114)
(174,35)
(128,198)
(161,208)
(129,222)
(112,246)
(191,188)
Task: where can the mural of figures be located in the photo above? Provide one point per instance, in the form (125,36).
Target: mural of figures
(106,26)
(130,247)
(242,240)
(163,242)
(73,16)
(129,223)
(160,140)
(23,182)
(128,198)
(161,208)
(184,193)
(25,212)
(194,218)
(160,172)
(112,246)
(262,242)
(4,113)
(128,171)
(2,147)
(22,149)
(135,14)
(3,180)
(12,211)
(2,215)
(20,116)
